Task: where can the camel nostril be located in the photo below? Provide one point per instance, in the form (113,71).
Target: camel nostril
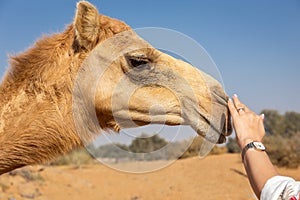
(219,97)
(227,128)
(222,139)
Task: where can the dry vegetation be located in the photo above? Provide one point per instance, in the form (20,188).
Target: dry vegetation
(215,177)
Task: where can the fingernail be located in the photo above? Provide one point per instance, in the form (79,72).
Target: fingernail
(262,116)
(235,95)
(230,100)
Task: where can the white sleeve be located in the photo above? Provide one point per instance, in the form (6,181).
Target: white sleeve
(280,187)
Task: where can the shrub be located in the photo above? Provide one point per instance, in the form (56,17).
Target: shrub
(194,148)
(283,152)
(146,144)
(27,175)
(232,146)
(77,157)
(217,150)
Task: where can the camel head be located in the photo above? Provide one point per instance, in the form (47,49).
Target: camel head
(135,84)
(109,78)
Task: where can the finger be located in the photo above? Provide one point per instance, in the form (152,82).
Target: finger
(236,101)
(232,108)
(238,104)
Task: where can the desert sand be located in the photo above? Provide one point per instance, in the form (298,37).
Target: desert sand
(214,177)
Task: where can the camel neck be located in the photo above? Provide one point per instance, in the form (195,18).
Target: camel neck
(34,127)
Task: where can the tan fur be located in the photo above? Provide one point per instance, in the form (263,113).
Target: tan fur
(36,123)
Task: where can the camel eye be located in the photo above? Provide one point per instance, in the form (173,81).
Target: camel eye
(138,62)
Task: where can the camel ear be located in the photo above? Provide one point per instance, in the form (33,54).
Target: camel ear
(86,24)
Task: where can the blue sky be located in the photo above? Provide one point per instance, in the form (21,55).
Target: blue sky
(255,44)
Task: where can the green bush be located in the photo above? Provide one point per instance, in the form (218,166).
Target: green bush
(283,152)
(232,146)
(146,144)
(194,148)
(77,157)
(286,124)
(217,150)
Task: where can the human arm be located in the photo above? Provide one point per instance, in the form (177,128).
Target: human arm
(248,128)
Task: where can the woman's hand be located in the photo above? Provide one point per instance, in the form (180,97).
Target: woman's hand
(248,126)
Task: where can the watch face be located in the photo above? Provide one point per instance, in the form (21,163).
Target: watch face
(259,145)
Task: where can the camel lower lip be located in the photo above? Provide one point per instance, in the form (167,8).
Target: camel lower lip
(126,118)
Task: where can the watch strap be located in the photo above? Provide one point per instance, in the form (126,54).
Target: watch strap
(253,145)
(245,149)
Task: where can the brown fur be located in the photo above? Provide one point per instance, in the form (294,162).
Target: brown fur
(36,123)
(35,95)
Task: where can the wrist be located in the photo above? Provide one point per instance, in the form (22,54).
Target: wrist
(258,146)
(244,142)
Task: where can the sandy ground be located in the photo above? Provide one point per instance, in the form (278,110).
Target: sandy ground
(215,177)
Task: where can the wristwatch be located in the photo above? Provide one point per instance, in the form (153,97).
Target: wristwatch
(258,146)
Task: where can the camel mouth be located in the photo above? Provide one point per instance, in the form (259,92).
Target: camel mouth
(219,127)
(215,125)
(213,134)
(208,128)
